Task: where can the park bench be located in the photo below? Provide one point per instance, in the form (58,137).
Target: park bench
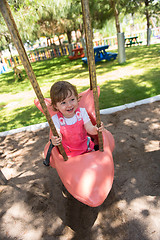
(78,53)
(132,41)
(101,54)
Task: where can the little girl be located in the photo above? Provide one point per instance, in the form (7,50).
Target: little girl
(72,123)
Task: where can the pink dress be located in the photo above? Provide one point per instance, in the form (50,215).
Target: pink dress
(74,137)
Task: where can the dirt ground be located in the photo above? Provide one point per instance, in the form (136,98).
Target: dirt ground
(32,206)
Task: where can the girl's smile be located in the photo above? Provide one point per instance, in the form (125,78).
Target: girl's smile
(68,106)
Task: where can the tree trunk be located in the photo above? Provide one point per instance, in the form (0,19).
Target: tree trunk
(116,15)
(60,44)
(8,42)
(132,23)
(81,29)
(148,23)
(120,36)
(147,13)
(69,37)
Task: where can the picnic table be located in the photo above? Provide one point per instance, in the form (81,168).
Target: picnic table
(78,53)
(100,54)
(129,41)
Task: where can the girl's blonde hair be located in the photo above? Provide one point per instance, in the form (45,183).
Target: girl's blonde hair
(60,90)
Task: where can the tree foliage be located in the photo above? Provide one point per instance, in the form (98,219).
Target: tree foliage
(56,18)
(5,38)
(100,11)
(36,18)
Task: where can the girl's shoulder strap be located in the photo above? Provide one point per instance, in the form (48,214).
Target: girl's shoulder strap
(78,114)
(59,114)
(61,119)
(78,110)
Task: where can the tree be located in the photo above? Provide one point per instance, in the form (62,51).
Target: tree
(72,17)
(149,8)
(100,11)
(56,18)
(5,38)
(24,16)
(114,4)
(26,21)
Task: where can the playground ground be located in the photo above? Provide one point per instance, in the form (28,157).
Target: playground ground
(32,206)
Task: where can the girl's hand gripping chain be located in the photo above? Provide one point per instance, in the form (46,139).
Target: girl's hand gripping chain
(101,128)
(56,140)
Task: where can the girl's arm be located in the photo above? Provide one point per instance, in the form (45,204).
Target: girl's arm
(93,130)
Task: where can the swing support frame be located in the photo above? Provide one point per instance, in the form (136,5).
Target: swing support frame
(7,15)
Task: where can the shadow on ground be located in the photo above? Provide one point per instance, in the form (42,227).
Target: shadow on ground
(32,203)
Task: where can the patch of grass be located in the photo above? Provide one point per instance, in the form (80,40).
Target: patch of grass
(20,117)
(129,89)
(134,80)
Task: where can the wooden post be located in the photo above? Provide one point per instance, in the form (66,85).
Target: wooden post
(91,64)
(7,15)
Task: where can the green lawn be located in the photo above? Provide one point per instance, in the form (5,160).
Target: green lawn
(137,79)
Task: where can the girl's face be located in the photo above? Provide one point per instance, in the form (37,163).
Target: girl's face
(68,106)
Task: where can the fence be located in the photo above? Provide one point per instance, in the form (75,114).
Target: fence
(39,55)
(43,54)
(57,51)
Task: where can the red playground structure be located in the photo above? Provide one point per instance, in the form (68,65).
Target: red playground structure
(78,53)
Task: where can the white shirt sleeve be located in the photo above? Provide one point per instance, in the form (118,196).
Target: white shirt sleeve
(84,115)
(56,121)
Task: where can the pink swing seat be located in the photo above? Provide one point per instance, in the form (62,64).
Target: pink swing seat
(87,177)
